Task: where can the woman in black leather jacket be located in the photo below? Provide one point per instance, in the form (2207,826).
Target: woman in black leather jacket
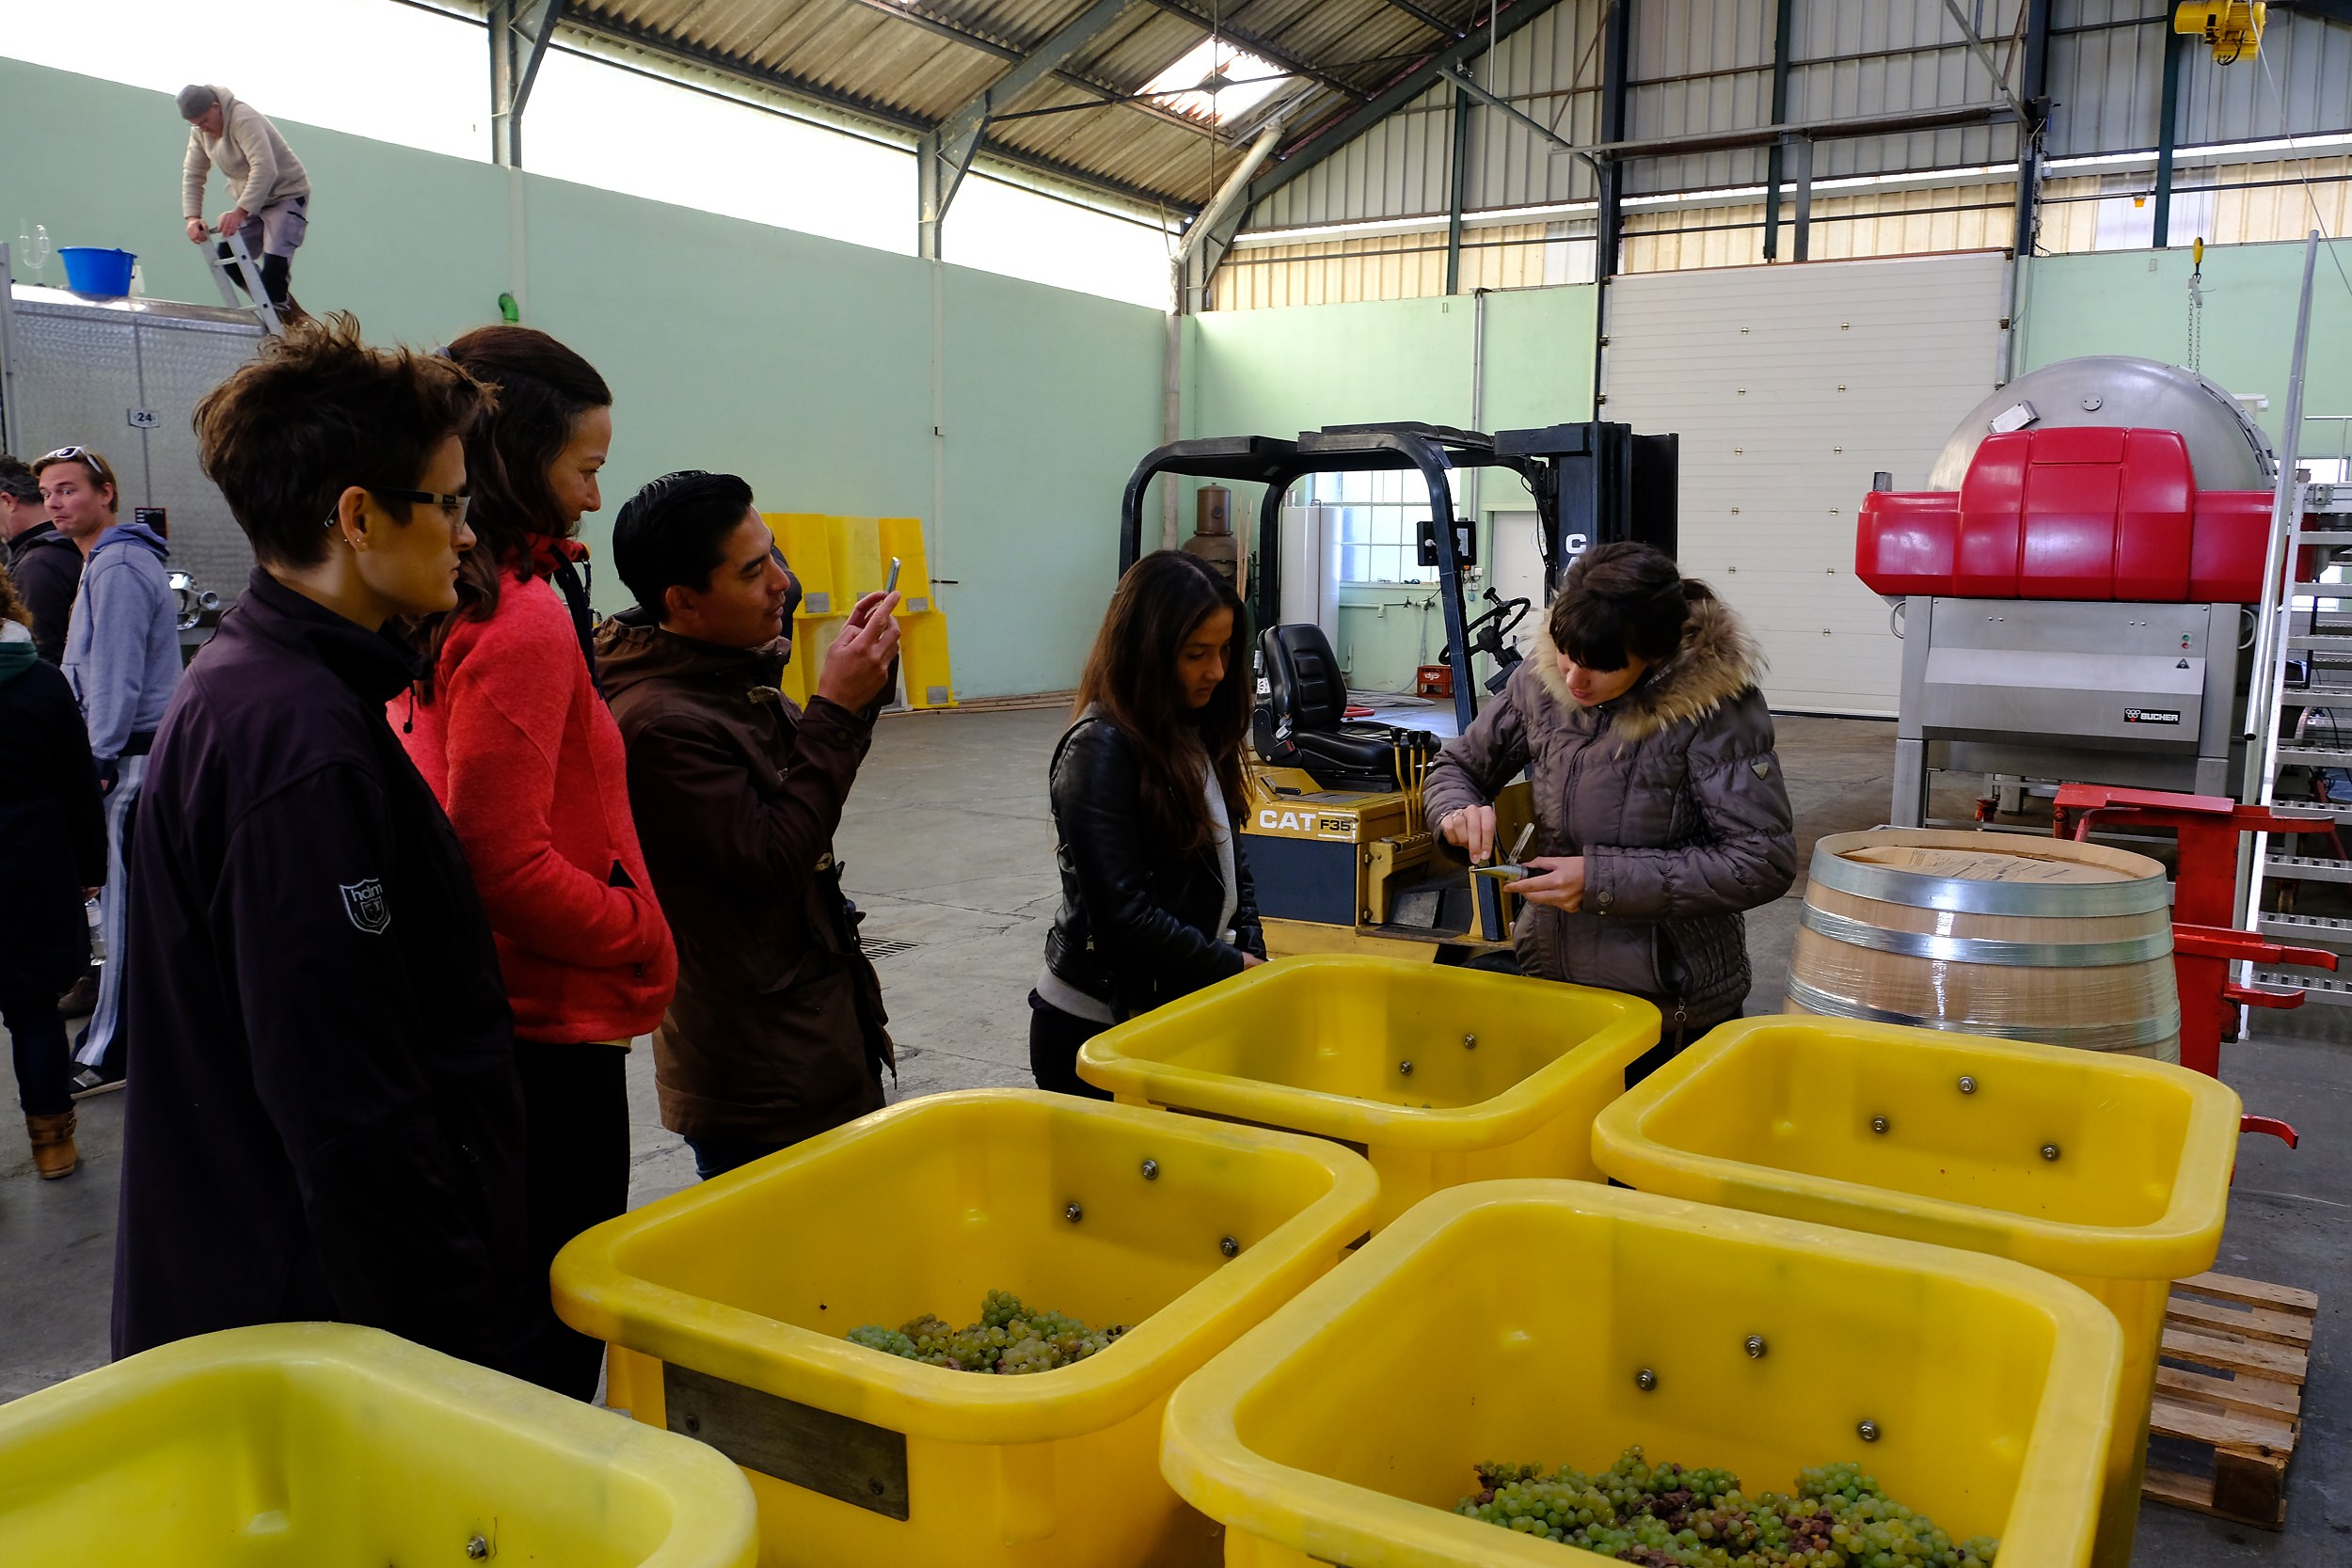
(1156,901)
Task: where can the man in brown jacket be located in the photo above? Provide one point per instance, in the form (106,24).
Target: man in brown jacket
(777,1030)
(1661,812)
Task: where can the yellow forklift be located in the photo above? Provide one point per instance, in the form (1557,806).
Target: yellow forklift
(1339,845)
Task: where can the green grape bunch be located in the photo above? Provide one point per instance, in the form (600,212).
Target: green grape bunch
(1009,1340)
(1675,1517)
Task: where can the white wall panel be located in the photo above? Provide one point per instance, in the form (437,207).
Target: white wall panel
(1789,386)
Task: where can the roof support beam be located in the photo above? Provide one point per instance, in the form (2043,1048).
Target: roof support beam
(1270,52)
(752,73)
(943,155)
(1435,23)
(1983,52)
(2168,135)
(1322,143)
(1616,75)
(519,31)
(1784,26)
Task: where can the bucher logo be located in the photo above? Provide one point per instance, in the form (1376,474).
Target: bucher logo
(2151,715)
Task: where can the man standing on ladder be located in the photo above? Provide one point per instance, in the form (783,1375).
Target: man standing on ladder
(271,190)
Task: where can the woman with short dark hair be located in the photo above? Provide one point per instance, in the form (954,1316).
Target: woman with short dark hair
(1147,784)
(508,727)
(1660,813)
(326,1122)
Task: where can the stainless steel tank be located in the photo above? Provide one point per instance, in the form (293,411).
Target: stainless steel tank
(2226,449)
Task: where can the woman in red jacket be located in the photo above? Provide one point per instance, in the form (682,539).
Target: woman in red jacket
(509,728)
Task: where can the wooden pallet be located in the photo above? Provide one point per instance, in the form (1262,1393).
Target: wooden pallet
(2239,1350)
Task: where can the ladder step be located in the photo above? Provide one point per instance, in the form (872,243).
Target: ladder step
(2323,642)
(2315,756)
(2306,868)
(2310,930)
(2335,537)
(2321,590)
(2324,988)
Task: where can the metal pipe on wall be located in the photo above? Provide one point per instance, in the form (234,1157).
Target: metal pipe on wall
(1188,248)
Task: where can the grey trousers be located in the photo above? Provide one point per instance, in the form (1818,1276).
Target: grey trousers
(114,911)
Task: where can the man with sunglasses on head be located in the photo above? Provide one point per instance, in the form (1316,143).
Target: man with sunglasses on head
(123,659)
(327,1122)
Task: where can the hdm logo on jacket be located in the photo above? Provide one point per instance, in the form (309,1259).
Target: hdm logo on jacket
(364,903)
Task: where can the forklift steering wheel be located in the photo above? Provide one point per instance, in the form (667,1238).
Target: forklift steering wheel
(1487,632)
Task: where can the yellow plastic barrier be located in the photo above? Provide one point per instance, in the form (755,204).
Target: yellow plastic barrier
(1440,1075)
(925,676)
(728,1306)
(1514,1321)
(840,560)
(2110,1171)
(333,1447)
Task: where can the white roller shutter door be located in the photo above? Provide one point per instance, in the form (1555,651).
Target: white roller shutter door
(1789,386)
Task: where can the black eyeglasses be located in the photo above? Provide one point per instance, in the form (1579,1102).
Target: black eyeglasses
(86,458)
(457,506)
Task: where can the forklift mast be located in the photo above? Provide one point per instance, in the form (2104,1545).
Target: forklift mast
(1593,483)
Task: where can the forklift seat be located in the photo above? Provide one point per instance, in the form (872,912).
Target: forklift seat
(1302,724)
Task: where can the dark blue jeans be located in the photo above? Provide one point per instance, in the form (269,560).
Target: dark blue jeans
(717,1156)
(44,1064)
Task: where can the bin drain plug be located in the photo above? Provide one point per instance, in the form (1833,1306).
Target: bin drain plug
(477,1548)
(1405,1068)
(1755,1347)
(1469,1042)
(1150,1170)
(1228,1246)
(1967,1085)
(1646,1379)
(1878,1124)
(1073,1214)
(2049,1151)
(1868,1432)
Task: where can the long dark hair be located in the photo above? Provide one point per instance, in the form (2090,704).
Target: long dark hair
(1131,680)
(543,390)
(1623,598)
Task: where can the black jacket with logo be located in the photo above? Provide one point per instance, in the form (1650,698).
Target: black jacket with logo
(46,567)
(324,1117)
(1138,921)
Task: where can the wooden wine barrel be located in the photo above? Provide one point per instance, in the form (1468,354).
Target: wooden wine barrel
(2031,939)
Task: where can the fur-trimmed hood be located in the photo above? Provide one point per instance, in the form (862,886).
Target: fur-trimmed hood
(1718,661)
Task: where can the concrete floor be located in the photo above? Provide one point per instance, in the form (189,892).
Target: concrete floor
(949,847)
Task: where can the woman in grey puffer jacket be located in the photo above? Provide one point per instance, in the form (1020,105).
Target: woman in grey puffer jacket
(1661,814)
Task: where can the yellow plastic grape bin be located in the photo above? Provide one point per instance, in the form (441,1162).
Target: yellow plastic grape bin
(728,1306)
(2108,1170)
(1440,1075)
(327,1446)
(1557,1322)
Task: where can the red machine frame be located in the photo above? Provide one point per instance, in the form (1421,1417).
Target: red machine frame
(2205,938)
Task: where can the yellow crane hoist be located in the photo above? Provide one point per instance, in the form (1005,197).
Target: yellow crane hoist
(2227,27)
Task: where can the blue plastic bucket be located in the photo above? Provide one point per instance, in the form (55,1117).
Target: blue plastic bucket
(93,270)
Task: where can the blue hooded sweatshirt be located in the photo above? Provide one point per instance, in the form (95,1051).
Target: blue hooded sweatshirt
(123,645)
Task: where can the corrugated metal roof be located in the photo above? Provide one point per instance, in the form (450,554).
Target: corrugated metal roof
(913,63)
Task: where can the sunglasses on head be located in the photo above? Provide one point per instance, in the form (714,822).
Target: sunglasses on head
(86,458)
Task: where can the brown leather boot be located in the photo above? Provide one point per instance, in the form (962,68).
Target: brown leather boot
(54,1155)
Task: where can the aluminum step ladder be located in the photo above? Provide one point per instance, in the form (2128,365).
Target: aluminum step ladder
(2302,675)
(248,267)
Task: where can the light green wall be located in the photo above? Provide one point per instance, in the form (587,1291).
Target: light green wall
(1276,372)
(2137,302)
(808,365)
